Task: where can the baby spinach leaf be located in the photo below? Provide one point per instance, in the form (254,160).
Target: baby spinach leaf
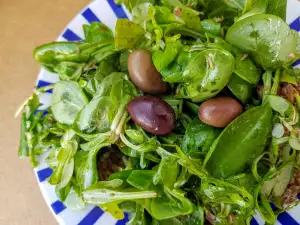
(253,7)
(267,38)
(198,137)
(94,116)
(252,129)
(67,100)
(274,7)
(206,75)
(277,7)
(210,26)
(246,69)
(241,89)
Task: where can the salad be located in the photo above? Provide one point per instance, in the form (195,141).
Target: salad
(186,115)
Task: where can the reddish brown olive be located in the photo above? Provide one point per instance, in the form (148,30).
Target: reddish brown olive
(144,74)
(219,111)
(152,114)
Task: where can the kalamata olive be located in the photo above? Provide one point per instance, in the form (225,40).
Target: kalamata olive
(152,114)
(144,74)
(219,111)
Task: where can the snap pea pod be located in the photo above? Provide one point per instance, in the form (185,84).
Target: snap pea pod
(241,141)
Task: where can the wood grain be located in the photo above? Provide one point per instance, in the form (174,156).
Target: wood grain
(24,25)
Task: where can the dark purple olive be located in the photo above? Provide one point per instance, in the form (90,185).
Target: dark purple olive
(219,111)
(152,114)
(144,74)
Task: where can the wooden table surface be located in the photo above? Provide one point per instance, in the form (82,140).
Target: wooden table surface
(24,24)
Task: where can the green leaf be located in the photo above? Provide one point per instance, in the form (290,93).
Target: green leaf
(277,7)
(239,4)
(195,218)
(267,38)
(210,26)
(218,191)
(74,200)
(62,174)
(141,179)
(95,143)
(253,7)
(23,147)
(277,185)
(104,86)
(131,4)
(246,69)
(191,19)
(86,166)
(97,32)
(127,34)
(206,75)
(241,89)
(67,100)
(105,192)
(281,105)
(252,130)
(135,135)
(198,137)
(122,92)
(168,169)
(171,204)
(94,116)
(162,59)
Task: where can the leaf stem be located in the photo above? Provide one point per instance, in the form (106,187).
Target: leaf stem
(276,82)
(117,119)
(267,79)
